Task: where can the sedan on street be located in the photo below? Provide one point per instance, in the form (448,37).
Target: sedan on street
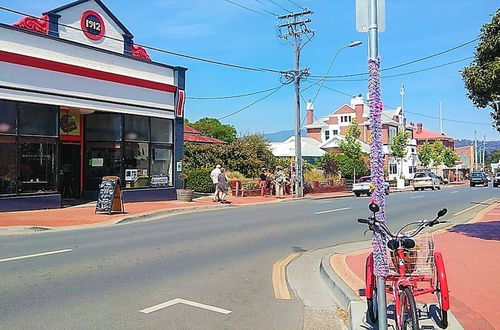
(424,180)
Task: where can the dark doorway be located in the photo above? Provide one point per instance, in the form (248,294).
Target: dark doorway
(69,172)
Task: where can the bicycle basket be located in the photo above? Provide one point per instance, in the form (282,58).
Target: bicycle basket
(418,260)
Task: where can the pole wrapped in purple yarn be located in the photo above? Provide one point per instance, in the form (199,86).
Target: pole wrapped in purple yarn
(381,267)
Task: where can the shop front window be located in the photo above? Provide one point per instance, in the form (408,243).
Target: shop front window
(161,166)
(38,119)
(8,119)
(37,166)
(103,127)
(8,169)
(136,162)
(161,130)
(103,159)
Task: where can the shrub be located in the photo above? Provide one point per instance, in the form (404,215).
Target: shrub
(200,181)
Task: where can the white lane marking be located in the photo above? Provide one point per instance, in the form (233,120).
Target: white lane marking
(453,192)
(35,255)
(186,302)
(420,196)
(335,210)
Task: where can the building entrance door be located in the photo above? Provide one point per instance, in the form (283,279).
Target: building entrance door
(69,173)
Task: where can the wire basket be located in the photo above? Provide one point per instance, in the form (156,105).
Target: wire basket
(418,260)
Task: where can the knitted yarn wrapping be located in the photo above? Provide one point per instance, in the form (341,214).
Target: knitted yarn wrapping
(381,267)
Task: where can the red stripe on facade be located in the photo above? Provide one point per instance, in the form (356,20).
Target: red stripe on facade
(40,63)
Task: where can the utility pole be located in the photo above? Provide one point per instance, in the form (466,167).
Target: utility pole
(441,117)
(484,152)
(475,151)
(292,31)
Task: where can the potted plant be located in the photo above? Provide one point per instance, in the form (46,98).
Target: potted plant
(184,194)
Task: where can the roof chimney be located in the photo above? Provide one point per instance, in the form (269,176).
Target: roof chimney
(309,113)
(419,128)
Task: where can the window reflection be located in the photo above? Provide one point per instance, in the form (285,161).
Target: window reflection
(37,167)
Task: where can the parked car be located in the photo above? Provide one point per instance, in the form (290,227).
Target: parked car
(478,178)
(365,186)
(496,180)
(424,180)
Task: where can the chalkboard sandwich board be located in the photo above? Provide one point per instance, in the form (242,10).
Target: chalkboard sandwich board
(110,197)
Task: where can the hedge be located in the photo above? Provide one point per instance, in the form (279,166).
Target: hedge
(200,181)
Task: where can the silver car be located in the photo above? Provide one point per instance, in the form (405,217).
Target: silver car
(424,180)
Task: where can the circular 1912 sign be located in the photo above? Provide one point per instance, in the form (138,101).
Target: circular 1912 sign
(92,25)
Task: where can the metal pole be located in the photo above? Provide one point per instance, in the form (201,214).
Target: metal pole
(298,140)
(376,159)
(441,117)
(484,153)
(475,151)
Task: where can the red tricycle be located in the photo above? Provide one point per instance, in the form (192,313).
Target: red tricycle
(414,269)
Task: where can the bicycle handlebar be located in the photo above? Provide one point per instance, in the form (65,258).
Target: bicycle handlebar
(373,223)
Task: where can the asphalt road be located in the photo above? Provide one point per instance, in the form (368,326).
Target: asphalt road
(219,258)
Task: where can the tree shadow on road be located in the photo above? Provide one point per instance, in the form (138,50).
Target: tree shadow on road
(485,230)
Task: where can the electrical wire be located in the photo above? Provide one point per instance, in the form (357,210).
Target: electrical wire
(291,1)
(402,64)
(404,73)
(196,58)
(230,96)
(280,6)
(267,11)
(249,105)
(244,7)
(447,119)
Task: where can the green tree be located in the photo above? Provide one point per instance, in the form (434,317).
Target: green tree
(214,128)
(425,154)
(449,157)
(482,76)
(437,153)
(398,147)
(328,164)
(351,159)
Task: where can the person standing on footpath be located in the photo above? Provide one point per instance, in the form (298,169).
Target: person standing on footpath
(223,186)
(214,175)
(280,181)
(263,182)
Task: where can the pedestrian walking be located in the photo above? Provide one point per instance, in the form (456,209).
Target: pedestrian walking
(223,186)
(263,182)
(280,181)
(214,175)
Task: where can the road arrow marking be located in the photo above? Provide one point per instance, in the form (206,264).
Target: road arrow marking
(335,210)
(35,255)
(186,302)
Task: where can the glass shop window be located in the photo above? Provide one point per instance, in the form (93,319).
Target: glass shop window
(37,166)
(8,169)
(136,128)
(8,117)
(38,119)
(161,130)
(103,127)
(161,166)
(136,162)
(103,159)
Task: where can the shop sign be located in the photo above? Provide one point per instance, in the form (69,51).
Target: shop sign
(92,25)
(69,122)
(159,181)
(180,103)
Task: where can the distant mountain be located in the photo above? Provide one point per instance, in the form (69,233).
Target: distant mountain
(281,135)
(490,145)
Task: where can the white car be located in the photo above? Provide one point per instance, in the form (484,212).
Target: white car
(424,180)
(365,186)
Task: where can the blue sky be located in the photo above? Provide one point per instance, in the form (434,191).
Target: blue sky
(218,30)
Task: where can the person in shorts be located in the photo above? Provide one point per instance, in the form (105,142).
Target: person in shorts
(214,175)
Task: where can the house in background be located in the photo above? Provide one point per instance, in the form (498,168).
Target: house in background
(465,162)
(311,150)
(333,127)
(422,135)
(194,136)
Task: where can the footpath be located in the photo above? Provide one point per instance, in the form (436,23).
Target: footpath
(84,215)
(471,254)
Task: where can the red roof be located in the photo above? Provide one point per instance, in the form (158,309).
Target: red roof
(195,136)
(425,134)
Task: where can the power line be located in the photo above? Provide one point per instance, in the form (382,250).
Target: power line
(337,91)
(404,73)
(447,119)
(244,7)
(402,64)
(196,58)
(267,11)
(249,105)
(303,8)
(230,96)
(280,6)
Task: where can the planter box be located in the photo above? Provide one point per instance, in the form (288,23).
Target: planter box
(185,195)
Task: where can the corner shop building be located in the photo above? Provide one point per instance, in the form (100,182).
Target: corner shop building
(79,101)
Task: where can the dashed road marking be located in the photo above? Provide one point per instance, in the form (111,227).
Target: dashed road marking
(35,255)
(186,302)
(420,196)
(335,210)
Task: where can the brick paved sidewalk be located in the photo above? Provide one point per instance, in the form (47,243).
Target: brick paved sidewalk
(471,252)
(84,214)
